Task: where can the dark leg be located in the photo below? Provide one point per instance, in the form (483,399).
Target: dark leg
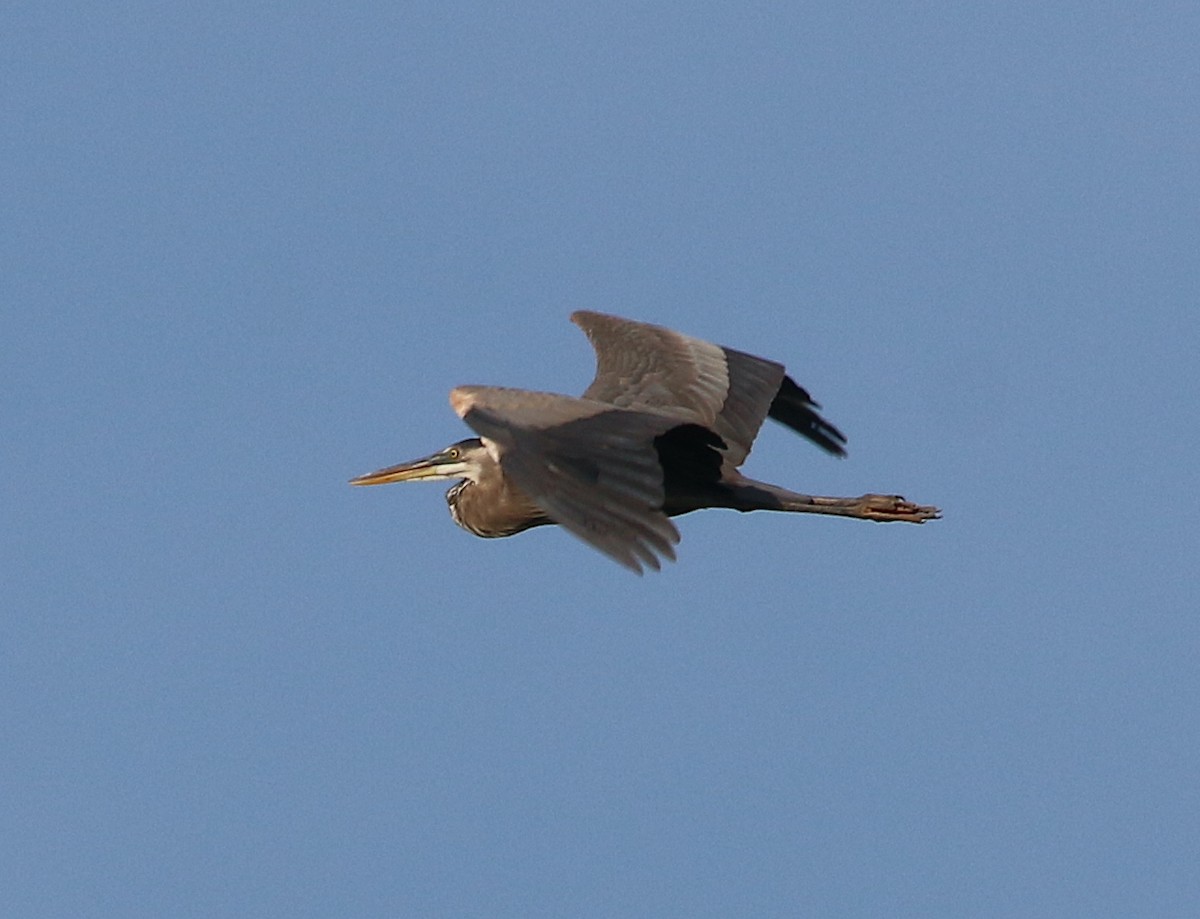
(880,508)
(749,495)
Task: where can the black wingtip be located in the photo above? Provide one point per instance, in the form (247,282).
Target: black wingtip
(795,408)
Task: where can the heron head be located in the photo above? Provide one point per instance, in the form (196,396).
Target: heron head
(463,460)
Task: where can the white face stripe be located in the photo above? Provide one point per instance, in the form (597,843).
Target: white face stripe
(455,471)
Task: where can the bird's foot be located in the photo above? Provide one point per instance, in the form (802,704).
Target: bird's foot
(894,509)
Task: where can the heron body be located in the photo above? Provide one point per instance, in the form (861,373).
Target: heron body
(661,431)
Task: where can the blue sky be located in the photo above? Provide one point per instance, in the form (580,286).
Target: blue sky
(249,248)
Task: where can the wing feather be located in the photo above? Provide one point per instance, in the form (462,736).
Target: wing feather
(794,407)
(590,466)
(643,366)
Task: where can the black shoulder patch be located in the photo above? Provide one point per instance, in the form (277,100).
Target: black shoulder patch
(690,455)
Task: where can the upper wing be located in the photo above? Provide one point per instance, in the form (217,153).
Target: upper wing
(639,365)
(592,467)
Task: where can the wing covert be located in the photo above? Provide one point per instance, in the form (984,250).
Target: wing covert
(590,466)
(639,365)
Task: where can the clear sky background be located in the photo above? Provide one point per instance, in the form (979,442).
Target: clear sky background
(248,248)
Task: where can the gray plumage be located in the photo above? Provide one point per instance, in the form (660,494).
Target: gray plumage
(661,431)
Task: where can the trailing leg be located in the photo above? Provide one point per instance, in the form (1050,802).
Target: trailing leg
(754,496)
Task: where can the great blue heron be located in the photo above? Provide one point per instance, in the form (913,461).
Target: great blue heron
(661,431)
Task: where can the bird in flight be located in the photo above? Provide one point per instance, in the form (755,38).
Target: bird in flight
(661,431)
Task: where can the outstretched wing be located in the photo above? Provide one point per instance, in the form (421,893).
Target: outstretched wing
(591,466)
(643,366)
